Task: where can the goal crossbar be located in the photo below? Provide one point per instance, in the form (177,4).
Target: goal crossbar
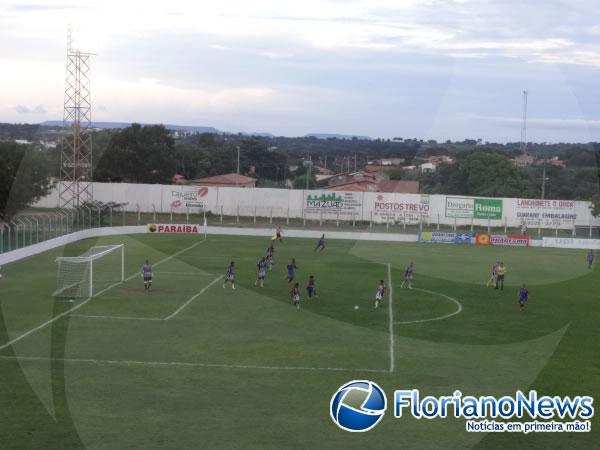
(81,276)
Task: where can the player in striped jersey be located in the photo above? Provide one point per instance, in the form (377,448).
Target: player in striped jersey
(147,275)
(295,296)
(262,271)
(270,258)
(230,275)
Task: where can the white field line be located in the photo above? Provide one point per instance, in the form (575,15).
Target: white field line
(54,319)
(445,316)
(89,316)
(192,298)
(169,317)
(183,274)
(391,316)
(186,364)
(75,308)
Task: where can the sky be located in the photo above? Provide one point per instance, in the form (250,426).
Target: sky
(426,69)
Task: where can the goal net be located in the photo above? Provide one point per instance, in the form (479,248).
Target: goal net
(86,274)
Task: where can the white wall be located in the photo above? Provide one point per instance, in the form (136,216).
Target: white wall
(26,252)
(379,207)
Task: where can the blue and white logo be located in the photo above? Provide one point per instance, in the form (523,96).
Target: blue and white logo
(358,406)
(462,238)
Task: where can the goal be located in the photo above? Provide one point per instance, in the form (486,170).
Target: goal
(87,274)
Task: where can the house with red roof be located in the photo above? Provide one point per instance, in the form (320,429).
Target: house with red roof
(227,180)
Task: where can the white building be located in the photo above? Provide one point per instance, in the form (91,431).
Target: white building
(427,167)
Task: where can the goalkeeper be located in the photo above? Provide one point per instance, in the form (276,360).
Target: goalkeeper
(147,275)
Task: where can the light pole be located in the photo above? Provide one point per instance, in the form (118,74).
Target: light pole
(544,181)
(308,165)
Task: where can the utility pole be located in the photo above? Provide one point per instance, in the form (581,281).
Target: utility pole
(544,180)
(354,162)
(308,165)
(238,159)
(523,146)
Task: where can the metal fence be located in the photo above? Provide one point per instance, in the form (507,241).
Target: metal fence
(35,225)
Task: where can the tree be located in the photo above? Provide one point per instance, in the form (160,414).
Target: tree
(479,173)
(140,154)
(493,175)
(595,205)
(300,182)
(25,172)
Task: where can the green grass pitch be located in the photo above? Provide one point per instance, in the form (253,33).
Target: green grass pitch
(193,365)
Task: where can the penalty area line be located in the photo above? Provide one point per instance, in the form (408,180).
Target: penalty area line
(187,364)
(83,303)
(155,319)
(192,298)
(391,317)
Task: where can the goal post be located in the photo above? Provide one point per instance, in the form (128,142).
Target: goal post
(85,275)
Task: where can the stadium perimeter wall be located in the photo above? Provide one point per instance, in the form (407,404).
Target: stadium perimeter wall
(66,239)
(329,205)
(41,247)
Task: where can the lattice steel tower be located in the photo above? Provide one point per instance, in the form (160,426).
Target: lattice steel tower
(76,152)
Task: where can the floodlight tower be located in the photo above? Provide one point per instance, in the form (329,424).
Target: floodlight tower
(75,186)
(523,146)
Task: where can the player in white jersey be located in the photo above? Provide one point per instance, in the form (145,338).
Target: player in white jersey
(492,279)
(408,276)
(379,293)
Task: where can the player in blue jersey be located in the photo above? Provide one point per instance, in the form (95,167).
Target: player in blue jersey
(147,275)
(295,296)
(311,287)
(230,275)
(321,244)
(590,259)
(291,270)
(408,276)
(379,293)
(261,267)
(523,297)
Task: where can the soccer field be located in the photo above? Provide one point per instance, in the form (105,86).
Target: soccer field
(193,365)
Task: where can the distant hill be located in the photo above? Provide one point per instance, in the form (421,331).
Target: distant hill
(199,129)
(345,137)
(120,125)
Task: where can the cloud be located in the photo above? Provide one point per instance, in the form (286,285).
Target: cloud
(372,67)
(21,109)
(32,7)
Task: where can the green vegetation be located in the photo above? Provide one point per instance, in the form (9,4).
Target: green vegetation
(24,177)
(152,154)
(244,369)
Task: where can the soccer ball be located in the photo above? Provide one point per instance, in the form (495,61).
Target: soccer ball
(355,306)
(273,238)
